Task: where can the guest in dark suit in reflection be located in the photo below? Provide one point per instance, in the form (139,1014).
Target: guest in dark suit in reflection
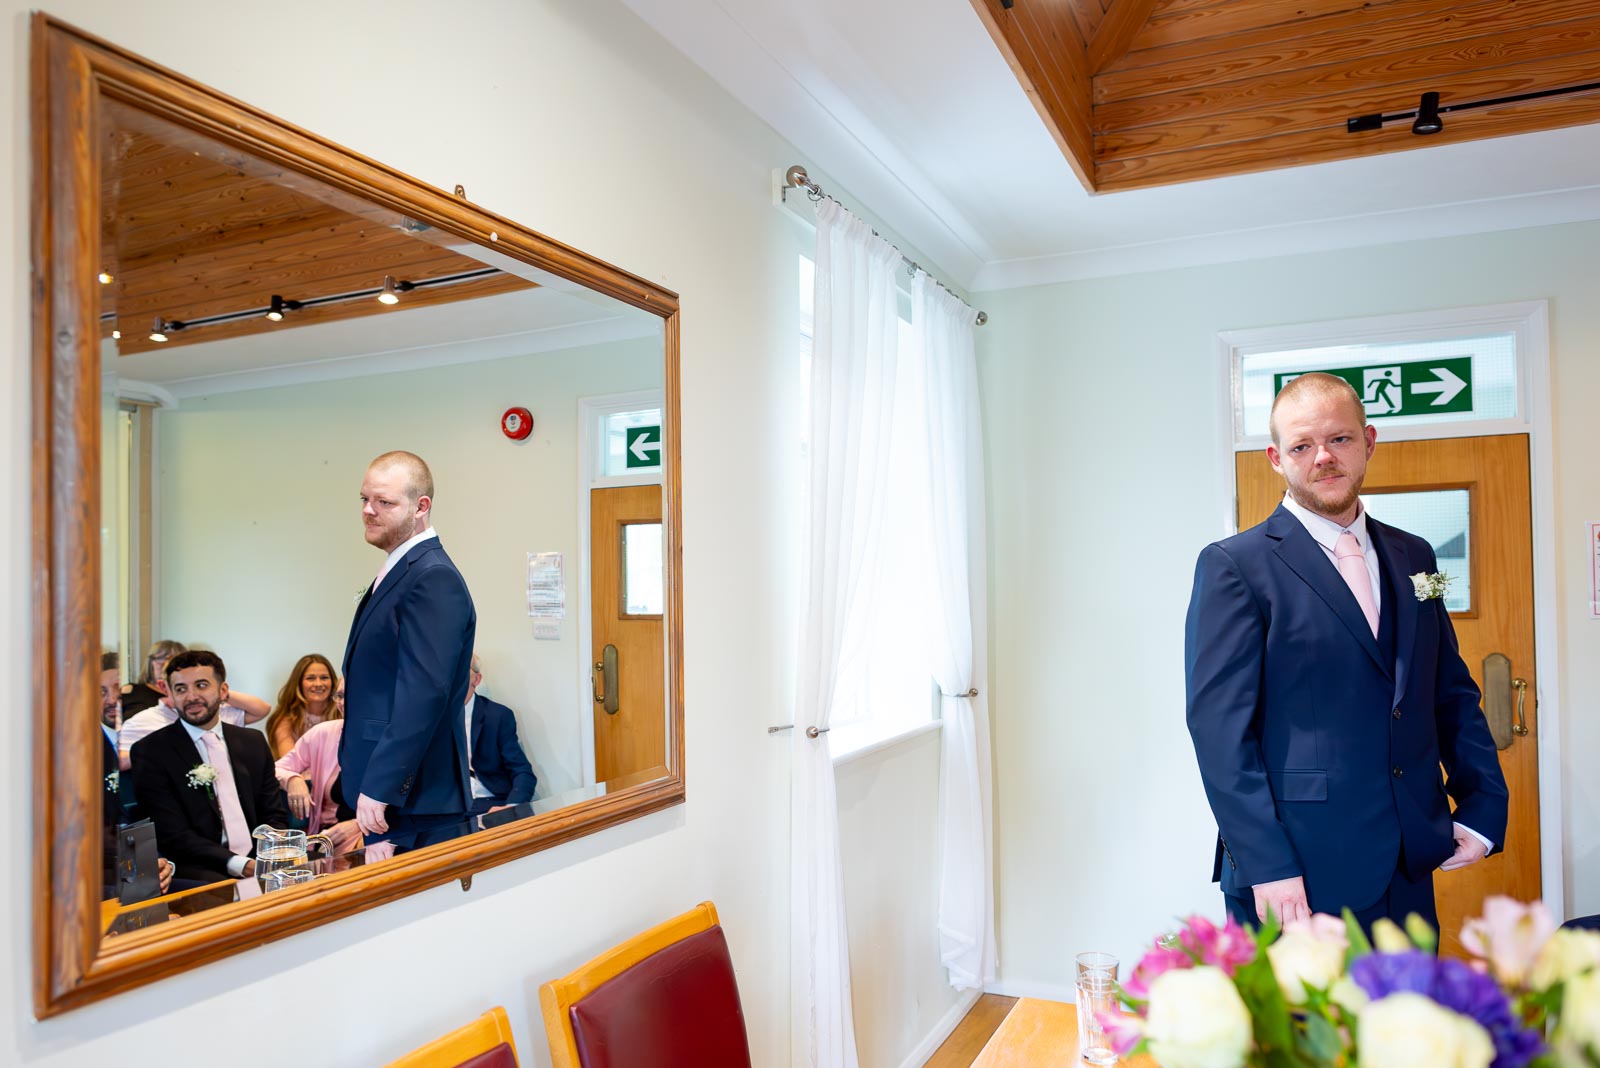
(206,783)
(500,773)
(116,794)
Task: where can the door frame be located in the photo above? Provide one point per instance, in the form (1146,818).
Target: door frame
(1530,322)
(591,410)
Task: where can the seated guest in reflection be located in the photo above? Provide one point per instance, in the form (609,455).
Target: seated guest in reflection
(111,697)
(499,771)
(241,708)
(309,774)
(150,688)
(305,701)
(203,782)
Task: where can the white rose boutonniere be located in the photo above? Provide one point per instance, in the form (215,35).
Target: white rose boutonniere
(202,776)
(113,782)
(360,593)
(1430,587)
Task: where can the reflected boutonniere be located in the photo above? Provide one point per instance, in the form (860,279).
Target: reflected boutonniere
(361,591)
(1430,587)
(201,777)
(113,782)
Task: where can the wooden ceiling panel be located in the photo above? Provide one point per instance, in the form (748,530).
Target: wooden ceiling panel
(189,234)
(1183,90)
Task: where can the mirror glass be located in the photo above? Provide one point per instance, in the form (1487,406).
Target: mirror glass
(264,337)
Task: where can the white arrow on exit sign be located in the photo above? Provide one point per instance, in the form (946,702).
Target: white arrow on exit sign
(1447,387)
(641,446)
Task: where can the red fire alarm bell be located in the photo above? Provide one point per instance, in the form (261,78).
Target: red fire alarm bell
(517,423)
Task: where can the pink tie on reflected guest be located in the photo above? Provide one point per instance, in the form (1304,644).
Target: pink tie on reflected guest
(233,821)
(1353,569)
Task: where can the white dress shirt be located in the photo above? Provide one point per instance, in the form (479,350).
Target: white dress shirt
(236,862)
(394,557)
(478,789)
(1326,534)
(152,719)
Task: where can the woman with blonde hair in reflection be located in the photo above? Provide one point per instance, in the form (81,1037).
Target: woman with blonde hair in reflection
(305,701)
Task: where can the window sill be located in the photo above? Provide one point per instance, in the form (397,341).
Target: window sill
(866,743)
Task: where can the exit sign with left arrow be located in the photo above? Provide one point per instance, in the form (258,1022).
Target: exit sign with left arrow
(1423,387)
(643,446)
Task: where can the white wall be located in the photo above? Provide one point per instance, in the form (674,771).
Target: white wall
(574,118)
(1103,431)
(260,545)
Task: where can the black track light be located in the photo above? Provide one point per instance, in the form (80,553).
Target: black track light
(1428,120)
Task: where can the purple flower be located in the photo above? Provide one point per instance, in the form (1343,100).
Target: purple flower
(1458,988)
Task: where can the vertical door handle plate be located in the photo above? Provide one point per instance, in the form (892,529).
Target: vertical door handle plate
(1497,688)
(604,680)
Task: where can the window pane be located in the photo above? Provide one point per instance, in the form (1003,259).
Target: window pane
(1484,367)
(1442,518)
(642,586)
(649,446)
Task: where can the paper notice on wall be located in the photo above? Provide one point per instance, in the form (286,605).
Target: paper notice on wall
(1594,570)
(547,586)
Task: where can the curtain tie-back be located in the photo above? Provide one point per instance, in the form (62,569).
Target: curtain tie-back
(970,693)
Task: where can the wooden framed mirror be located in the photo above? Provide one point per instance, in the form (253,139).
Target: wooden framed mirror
(199,486)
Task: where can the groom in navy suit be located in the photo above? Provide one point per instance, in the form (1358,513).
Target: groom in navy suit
(1323,695)
(403,752)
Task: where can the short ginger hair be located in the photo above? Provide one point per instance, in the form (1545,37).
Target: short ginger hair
(419,480)
(1317,384)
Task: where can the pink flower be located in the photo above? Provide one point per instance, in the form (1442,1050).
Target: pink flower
(1157,962)
(1509,935)
(1123,1030)
(1229,947)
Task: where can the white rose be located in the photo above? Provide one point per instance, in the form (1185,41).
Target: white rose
(1404,1030)
(1197,1020)
(1387,937)
(1300,960)
(1346,994)
(1580,1012)
(1569,952)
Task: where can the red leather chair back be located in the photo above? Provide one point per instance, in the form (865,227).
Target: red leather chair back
(677,1008)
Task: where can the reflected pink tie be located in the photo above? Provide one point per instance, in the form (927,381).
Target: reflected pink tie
(1353,568)
(228,797)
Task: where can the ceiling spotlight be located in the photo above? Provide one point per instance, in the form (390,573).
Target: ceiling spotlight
(116,335)
(105,278)
(1428,121)
(390,294)
(158,332)
(275,313)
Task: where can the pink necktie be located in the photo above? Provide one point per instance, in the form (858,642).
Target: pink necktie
(228,797)
(1353,568)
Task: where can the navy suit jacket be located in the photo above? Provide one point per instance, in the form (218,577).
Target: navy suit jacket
(1319,753)
(497,757)
(187,818)
(405,667)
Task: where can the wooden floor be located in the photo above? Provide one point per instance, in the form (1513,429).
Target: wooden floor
(972,1033)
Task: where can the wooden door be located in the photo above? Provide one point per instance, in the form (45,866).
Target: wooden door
(1499,619)
(628,652)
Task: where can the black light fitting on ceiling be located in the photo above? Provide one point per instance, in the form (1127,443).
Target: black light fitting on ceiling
(279,304)
(1427,115)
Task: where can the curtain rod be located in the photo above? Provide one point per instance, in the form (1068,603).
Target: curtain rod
(797,177)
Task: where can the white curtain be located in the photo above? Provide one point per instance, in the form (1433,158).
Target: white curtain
(851,408)
(957,628)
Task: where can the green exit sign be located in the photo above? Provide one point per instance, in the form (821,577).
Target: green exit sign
(1425,387)
(643,446)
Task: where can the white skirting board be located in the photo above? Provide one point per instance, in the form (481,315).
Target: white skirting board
(941,1030)
(1024,988)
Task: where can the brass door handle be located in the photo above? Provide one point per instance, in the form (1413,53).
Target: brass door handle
(603,680)
(1521,686)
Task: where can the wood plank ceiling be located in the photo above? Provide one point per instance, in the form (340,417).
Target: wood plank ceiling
(1153,92)
(189,233)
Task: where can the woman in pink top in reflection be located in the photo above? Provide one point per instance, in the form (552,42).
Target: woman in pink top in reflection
(309,773)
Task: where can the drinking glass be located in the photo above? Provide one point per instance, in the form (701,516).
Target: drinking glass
(1097,996)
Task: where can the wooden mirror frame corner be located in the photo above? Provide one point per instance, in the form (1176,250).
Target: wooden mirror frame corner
(72,72)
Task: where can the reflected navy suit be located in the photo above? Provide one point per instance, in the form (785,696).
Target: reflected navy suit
(405,667)
(1319,745)
(497,756)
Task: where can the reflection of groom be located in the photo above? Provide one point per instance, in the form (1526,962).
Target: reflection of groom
(1323,696)
(403,752)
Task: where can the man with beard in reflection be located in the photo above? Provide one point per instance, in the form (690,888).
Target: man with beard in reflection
(403,755)
(206,784)
(1325,690)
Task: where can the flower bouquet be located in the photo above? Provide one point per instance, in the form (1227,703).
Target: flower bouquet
(1319,994)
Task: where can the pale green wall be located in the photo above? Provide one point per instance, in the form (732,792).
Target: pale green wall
(1101,403)
(260,549)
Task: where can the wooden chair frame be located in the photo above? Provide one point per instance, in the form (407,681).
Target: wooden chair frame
(557,997)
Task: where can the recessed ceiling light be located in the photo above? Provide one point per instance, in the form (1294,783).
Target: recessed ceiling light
(105,278)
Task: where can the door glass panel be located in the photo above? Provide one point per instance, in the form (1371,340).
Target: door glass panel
(642,591)
(1443,519)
